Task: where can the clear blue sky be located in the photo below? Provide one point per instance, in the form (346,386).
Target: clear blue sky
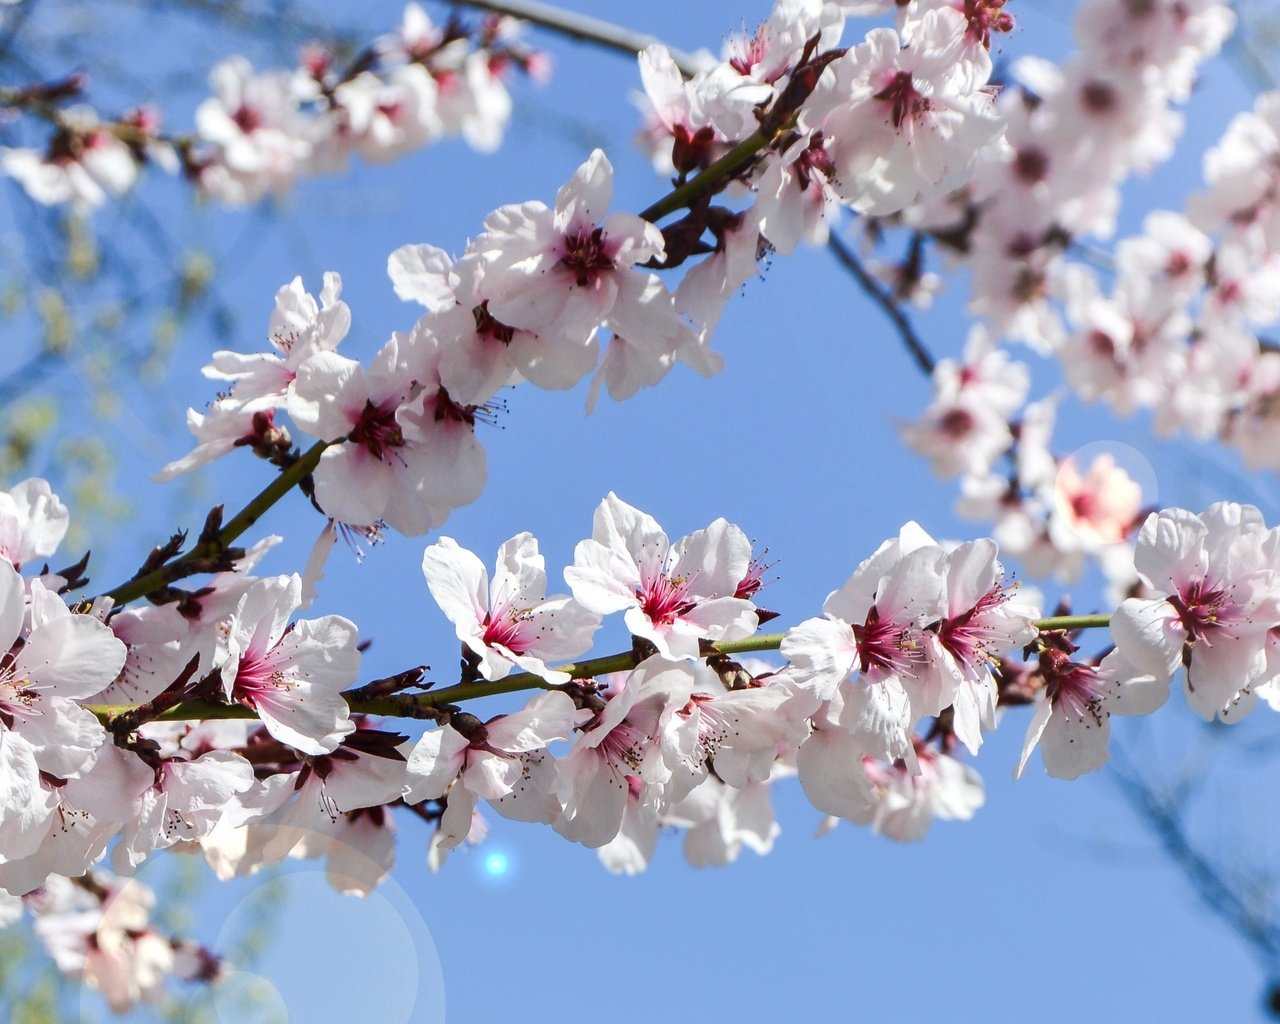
(1053,904)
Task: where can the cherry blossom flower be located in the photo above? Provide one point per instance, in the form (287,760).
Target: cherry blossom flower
(738,732)
(672,595)
(624,757)
(873,630)
(221,430)
(299,328)
(470,760)
(563,270)
(291,674)
(1098,507)
(1218,571)
(85,813)
(984,619)
(409,459)
(254,122)
(110,945)
(184,803)
(388,117)
(508,622)
(966,427)
(679,136)
(1072,723)
(316,811)
(480,354)
(796,195)
(84,167)
(902,121)
(33,522)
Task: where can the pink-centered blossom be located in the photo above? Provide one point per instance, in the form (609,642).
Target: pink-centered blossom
(626,760)
(291,673)
(495,761)
(673,595)
(1072,722)
(507,621)
(984,619)
(563,270)
(869,654)
(410,454)
(903,121)
(1218,572)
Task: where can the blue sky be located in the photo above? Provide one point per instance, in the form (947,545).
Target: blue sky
(1053,904)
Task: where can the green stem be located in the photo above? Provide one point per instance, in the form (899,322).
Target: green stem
(582,28)
(289,478)
(1074,622)
(406,704)
(411,705)
(713,178)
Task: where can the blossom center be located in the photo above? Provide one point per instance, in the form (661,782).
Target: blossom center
(1202,609)
(488,327)
(967,635)
(255,677)
(665,598)
(1031,164)
(506,628)
(1078,691)
(956,424)
(886,648)
(378,430)
(446,409)
(586,255)
(813,162)
(623,748)
(747,53)
(247,119)
(18,702)
(904,99)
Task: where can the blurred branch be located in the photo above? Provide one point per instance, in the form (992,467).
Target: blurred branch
(582,28)
(848,259)
(1245,904)
(1249,44)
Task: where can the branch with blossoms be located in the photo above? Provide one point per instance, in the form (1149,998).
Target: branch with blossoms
(262,131)
(155,714)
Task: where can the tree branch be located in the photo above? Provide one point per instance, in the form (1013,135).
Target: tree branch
(583,28)
(848,259)
(363,701)
(1254,919)
(188,564)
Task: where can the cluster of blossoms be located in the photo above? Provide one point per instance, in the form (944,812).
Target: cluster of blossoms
(897,120)
(1052,513)
(1182,330)
(97,928)
(1073,135)
(94,767)
(549,294)
(214,720)
(261,131)
(911,660)
(527,301)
